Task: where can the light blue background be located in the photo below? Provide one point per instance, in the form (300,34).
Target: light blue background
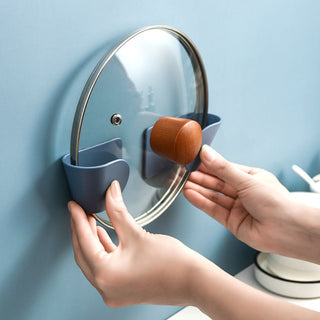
(263,67)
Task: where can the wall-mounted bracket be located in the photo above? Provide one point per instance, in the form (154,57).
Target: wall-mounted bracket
(208,134)
(98,166)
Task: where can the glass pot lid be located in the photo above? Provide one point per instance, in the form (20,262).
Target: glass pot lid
(155,72)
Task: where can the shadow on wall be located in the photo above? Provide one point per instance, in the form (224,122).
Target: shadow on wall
(44,250)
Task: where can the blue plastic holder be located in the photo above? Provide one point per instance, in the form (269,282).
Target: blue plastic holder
(155,164)
(208,134)
(98,167)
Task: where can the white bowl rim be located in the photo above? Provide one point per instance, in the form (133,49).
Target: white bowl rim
(277,277)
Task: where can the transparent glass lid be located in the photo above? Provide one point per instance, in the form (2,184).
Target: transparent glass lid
(155,72)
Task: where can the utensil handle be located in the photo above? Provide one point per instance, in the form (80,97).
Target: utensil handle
(303,174)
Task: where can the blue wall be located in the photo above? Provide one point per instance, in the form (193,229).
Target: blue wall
(263,66)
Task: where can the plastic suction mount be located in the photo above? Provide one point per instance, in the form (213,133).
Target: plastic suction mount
(155,164)
(98,166)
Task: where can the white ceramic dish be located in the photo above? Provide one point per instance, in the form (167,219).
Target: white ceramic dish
(284,287)
(293,269)
(311,199)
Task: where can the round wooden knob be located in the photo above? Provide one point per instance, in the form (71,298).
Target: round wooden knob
(176,139)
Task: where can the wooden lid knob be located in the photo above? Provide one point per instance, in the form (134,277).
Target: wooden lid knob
(176,139)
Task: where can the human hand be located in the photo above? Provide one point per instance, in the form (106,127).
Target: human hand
(156,269)
(253,205)
(143,268)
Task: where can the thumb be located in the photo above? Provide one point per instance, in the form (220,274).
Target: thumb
(223,169)
(123,223)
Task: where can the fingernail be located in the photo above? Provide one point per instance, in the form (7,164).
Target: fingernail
(115,189)
(207,153)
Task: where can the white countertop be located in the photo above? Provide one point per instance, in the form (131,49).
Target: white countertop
(247,276)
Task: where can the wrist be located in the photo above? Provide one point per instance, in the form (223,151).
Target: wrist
(297,232)
(206,282)
(193,279)
(219,295)
(308,219)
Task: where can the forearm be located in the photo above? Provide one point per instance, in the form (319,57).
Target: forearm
(309,219)
(302,237)
(222,297)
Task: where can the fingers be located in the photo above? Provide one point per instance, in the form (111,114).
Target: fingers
(207,180)
(105,240)
(220,199)
(209,207)
(93,224)
(223,169)
(87,241)
(244,168)
(78,256)
(124,224)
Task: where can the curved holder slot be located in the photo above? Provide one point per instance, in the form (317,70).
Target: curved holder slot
(98,167)
(208,134)
(154,164)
